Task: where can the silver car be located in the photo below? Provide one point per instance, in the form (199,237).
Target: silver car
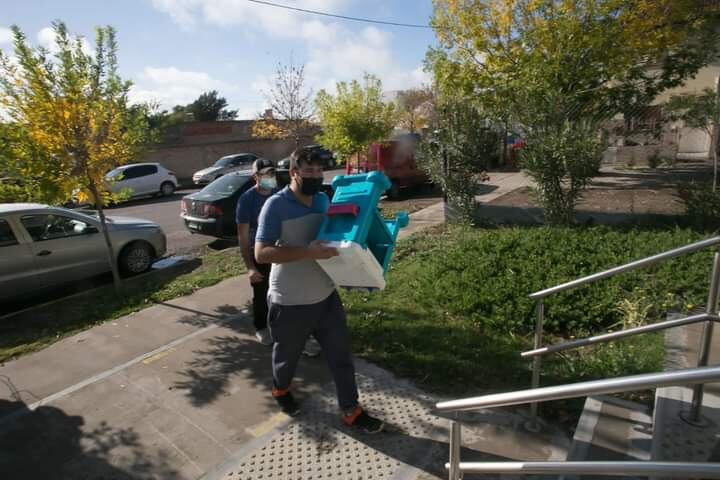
(230,163)
(43,247)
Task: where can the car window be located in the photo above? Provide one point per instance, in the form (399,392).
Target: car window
(145,170)
(228,184)
(50,227)
(7,237)
(130,172)
(224,162)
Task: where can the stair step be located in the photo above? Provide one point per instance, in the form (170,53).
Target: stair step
(674,438)
(611,429)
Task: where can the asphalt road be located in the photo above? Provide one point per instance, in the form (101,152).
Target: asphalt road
(165,211)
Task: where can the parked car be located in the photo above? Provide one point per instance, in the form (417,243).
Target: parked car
(395,158)
(211,211)
(43,247)
(142,179)
(328,157)
(230,163)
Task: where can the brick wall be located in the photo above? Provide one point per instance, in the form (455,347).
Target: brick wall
(190,147)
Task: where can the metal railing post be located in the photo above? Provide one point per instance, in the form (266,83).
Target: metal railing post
(455,444)
(706,341)
(540,312)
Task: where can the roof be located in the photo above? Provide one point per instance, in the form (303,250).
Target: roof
(137,165)
(18,207)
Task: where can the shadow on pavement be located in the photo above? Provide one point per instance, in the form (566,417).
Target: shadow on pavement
(48,443)
(226,355)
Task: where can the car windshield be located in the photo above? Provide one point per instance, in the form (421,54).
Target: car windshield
(224,162)
(87,212)
(228,184)
(115,173)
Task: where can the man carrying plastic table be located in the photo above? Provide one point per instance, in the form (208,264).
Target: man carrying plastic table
(303,299)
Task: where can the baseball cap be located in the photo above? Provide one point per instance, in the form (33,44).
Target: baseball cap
(262,165)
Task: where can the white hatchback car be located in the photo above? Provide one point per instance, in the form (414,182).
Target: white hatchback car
(142,179)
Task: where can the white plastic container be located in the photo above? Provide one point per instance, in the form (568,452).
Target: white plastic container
(355,267)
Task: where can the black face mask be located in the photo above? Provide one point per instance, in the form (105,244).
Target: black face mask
(310,185)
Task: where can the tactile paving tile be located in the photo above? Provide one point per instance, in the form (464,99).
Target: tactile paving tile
(317,445)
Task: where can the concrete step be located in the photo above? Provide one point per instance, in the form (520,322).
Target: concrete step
(611,429)
(676,439)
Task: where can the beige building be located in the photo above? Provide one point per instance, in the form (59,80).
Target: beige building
(190,147)
(666,140)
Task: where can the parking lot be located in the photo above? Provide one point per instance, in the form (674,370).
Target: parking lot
(165,211)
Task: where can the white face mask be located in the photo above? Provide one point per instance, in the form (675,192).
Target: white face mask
(268,183)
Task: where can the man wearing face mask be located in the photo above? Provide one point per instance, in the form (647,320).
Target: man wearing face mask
(303,299)
(246,217)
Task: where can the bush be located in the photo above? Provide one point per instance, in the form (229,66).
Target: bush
(456,154)
(702,205)
(562,159)
(456,312)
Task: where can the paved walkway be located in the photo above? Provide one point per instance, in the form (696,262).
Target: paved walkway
(180,390)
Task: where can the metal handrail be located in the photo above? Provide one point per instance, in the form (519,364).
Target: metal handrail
(643,469)
(692,376)
(689,376)
(714,292)
(607,337)
(660,257)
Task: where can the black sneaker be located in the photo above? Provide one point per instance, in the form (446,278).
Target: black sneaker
(288,404)
(364,421)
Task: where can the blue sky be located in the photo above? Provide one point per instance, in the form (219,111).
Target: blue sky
(173,50)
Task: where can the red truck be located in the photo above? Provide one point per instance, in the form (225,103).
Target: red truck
(395,158)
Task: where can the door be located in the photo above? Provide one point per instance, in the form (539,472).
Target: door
(127,181)
(18,272)
(66,248)
(148,179)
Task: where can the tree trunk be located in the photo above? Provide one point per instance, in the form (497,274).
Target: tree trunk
(117,282)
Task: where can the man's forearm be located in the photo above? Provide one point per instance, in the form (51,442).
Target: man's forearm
(273,254)
(244,242)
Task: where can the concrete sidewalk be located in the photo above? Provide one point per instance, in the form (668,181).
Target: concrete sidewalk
(181,390)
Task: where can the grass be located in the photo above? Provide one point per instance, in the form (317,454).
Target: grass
(25,333)
(456,312)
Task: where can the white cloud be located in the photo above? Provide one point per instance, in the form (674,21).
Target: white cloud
(277,21)
(333,50)
(6,36)
(171,86)
(46,38)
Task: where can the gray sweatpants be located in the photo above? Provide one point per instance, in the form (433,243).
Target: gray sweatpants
(291,325)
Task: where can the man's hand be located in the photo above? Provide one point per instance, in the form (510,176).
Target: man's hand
(319,250)
(255,276)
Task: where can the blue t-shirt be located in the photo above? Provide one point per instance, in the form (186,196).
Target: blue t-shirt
(284,221)
(248,210)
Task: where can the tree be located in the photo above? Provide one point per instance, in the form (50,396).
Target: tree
(567,64)
(455,154)
(70,119)
(701,112)
(210,107)
(414,107)
(354,117)
(291,105)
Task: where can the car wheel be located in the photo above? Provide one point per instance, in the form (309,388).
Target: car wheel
(394,191)
(136,258)
(167,189)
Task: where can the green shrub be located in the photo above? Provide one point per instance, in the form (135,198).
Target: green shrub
(702,205)
(456,309)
